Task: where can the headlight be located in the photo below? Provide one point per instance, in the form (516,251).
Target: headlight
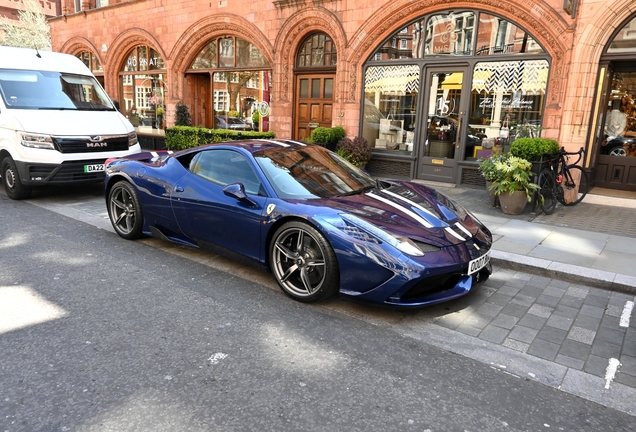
(132,139)
(364,231)
(36,141)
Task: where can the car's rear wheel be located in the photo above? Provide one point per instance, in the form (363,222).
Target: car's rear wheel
(13,187)
(303,262)
(124,210)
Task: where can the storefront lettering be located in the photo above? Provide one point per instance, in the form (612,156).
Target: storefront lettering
(506,102)
(152,61)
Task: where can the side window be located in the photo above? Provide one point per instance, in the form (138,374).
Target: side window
(224,167)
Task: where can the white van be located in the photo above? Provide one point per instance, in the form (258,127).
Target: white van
(57,124)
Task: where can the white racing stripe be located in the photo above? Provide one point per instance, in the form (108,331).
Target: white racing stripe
(402,209)
(275,142)
(454,234)
(414,204)
(461,227)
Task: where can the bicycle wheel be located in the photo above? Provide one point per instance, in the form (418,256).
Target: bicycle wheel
(547,197)
(575,185)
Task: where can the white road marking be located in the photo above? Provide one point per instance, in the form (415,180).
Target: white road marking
(627,314)
(215,358)
(612,367)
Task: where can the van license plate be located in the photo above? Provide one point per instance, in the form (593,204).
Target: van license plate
(93,168)
(477,264)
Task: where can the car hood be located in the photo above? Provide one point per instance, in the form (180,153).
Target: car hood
(413,211)
(71,122)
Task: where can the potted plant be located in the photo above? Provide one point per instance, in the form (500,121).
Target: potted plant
(513,184)
(355,150)
(490,173)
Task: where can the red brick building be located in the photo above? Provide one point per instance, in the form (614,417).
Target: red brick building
(429,83)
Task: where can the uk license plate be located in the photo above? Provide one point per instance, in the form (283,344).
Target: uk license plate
(479,263)
(93,168)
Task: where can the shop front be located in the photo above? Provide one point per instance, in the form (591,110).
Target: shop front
(614,136)
(449,88)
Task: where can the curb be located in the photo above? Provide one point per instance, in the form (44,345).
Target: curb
(566,272)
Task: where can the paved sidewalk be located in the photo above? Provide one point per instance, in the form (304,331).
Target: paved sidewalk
(592,243)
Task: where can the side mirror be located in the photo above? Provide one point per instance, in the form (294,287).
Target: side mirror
(237,190)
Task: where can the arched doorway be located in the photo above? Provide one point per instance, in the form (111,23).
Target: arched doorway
(315,73)
(615,113)
(440,92)
(226,82)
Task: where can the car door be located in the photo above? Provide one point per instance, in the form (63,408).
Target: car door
(209,216)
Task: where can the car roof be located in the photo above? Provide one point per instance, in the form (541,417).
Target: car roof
(249,145)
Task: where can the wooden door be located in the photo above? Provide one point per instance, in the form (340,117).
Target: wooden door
(314,103)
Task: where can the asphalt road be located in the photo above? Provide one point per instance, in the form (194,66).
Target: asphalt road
(99,334)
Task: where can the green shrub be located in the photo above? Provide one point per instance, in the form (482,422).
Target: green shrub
(234,113)
(534,149)
(337,133)
(184,137)
(321,135)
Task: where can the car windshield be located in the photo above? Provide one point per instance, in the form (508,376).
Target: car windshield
(311,172)
(29,89)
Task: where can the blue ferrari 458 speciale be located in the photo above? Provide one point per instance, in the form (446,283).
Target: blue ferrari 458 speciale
(319,224)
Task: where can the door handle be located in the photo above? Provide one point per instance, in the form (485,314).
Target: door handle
(178,189)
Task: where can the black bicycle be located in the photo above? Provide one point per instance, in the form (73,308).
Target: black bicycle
(561,181)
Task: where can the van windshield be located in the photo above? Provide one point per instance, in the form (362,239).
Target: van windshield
(28,89)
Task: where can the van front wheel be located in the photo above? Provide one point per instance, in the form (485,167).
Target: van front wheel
(13,187)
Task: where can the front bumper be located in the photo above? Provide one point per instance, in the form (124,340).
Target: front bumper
(34,174)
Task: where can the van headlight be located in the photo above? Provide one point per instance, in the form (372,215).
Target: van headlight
(38,141)
(132,139)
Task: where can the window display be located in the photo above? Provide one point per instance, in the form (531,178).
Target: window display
(390,107)
(620,117)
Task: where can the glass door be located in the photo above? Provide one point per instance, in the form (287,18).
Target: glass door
(443,125)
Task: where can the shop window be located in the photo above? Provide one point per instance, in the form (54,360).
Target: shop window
(390,107)
(498,36)
(143,87)
(625,40)
(506,95)
(317,50)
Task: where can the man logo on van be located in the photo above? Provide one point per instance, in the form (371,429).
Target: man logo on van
(96,142)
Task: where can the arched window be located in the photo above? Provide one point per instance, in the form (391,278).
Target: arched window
(625,40)
(240,81)
(317,50)
(142,86)
(91,62)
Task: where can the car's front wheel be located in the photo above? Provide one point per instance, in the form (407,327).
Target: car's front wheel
(303,262)
(124,211)
(13,187)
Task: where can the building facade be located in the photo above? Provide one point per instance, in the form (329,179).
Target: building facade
(431,84)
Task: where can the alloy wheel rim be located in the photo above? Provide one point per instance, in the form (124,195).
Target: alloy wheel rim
(123,211)
(299,262)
